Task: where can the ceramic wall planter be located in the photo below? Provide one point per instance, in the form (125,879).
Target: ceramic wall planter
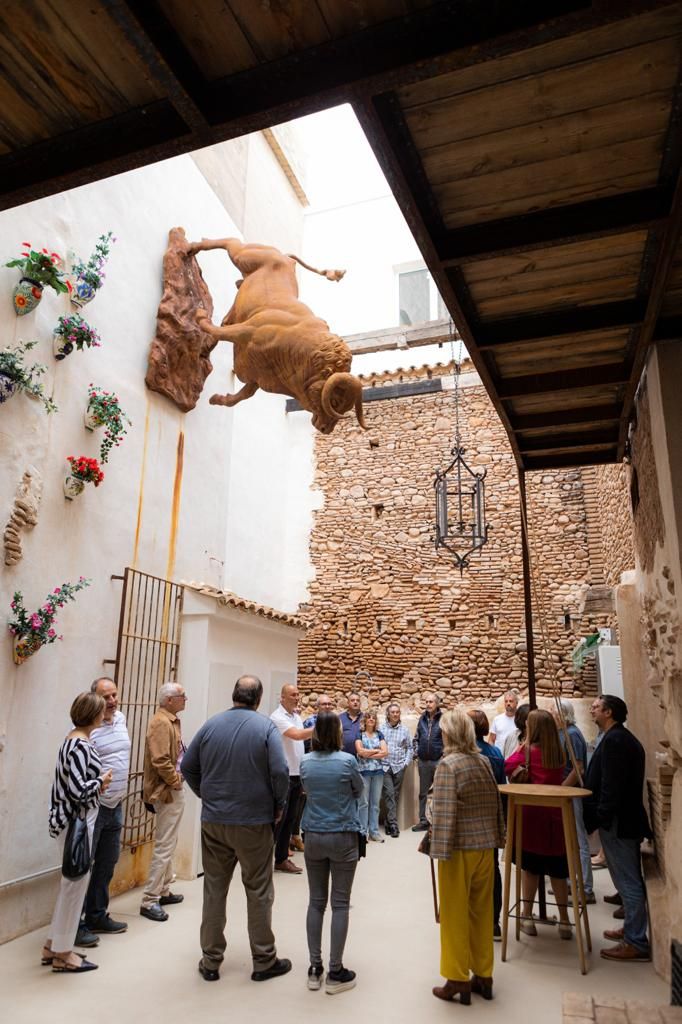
(82,293)
(61,346)
(8,386)
(91,419)
(73,487)
(26,296)
(24,647)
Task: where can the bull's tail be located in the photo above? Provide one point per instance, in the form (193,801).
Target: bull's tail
(341,393)
(331,275)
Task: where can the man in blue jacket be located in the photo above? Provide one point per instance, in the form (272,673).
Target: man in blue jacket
(428,749)
(616,778)
(236,765)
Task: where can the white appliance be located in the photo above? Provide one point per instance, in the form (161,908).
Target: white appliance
(609,671)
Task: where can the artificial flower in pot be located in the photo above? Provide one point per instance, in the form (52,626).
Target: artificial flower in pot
(16,376)
(31,632)
(73,332)
(82,471)
(89,277)
(104,410)
(37,270)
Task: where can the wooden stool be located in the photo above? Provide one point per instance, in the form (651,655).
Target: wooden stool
(519,797)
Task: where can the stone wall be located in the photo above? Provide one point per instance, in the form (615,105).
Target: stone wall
(615,520)
(386,603)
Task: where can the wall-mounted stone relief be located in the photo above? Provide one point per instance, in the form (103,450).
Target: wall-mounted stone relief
(24,514)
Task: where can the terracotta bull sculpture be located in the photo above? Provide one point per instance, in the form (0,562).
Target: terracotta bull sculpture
(280,345)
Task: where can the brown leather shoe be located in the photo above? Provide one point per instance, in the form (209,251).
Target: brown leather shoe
(450,989)
(619,914)
(613,934)
(297,844)
(624,951)
(289,868)
(616,899)
(482,986)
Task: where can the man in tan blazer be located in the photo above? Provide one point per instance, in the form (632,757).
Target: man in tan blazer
(163,754)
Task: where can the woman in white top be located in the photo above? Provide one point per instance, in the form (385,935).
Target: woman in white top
(78,782)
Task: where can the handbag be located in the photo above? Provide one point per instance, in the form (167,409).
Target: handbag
(521,774)
(77,859)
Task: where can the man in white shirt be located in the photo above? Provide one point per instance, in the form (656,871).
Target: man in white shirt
(112,743)
(289,723)
(504,724)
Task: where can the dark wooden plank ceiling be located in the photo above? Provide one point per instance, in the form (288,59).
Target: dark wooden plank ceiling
(534,148)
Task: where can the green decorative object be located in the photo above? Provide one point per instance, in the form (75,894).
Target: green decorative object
(38,269)
(31,632)
(16,376)
(89,277)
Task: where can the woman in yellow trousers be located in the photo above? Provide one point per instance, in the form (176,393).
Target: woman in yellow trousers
(467,825)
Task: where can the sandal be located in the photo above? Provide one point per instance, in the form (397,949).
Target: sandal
(62,967)
(48,957)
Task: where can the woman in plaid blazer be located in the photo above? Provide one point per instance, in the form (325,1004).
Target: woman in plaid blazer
(467,826)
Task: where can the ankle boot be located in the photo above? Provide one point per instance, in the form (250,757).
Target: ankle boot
(450,989)
(482,986)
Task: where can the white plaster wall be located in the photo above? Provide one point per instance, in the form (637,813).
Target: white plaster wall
(219,644)
(128,520)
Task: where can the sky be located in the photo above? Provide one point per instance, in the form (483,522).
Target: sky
(340,165)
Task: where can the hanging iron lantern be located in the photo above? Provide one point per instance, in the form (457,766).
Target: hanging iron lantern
(460,497)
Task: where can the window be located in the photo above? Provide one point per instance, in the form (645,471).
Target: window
(378,510)
(418,298)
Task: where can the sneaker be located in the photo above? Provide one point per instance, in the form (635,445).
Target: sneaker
(107,926)
(279,967)
(528,928)
(85,937)
(315,977)
(338,981)
(376,838)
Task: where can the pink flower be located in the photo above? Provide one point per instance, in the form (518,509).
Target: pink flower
(36,621)
(51,633)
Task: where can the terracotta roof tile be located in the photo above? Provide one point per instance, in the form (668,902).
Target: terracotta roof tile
(228,598)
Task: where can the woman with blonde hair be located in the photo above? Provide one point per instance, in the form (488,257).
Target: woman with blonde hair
(467,826)
(544,850)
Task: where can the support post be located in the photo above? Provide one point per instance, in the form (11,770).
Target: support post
(527,596)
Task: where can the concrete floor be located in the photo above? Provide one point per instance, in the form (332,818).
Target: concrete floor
(392,945)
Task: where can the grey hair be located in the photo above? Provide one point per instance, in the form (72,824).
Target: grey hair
(393,704)
(168,690)
(101,679)
(568,711)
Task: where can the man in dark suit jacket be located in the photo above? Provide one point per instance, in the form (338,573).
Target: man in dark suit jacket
(616,778)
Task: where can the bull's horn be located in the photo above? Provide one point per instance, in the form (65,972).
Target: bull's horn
(342,392)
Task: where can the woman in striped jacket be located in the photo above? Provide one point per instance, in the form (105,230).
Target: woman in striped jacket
(78,781)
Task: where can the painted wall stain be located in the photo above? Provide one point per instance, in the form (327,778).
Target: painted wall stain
(175,510)
(140,497)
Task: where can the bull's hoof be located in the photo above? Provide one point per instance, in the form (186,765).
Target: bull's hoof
(219,400)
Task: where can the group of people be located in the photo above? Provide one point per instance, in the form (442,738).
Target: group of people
(265,781)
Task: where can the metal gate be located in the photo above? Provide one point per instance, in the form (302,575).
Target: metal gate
(146,657)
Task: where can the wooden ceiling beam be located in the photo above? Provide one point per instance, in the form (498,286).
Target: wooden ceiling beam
(573,441)
(668,328)
(565,417)
(613,215)
(563,380)
(167,61)
(409,48)
(140,136)
(565,460)
(493,334)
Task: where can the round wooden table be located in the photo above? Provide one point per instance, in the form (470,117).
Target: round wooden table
(518,797)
